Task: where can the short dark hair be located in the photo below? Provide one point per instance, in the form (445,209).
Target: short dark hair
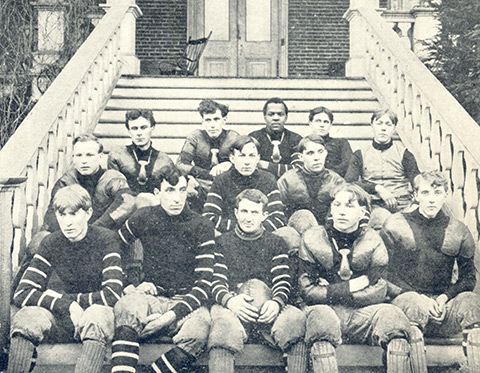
(380,113)
(302,145)
(253,195)
(169,173)
(435,178)
(275,100)
(137,113)
(357,193)
(87,137)
(210,107)
(73,197)
(241,141)
(319,110)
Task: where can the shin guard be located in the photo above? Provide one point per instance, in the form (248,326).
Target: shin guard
(297,358)
(473,349)
(92,357)
(398,356)
(323,358)
(220,360)
(20,356)
(418,356)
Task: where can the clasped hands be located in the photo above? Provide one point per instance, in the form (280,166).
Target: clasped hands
(437,308)
(241,306)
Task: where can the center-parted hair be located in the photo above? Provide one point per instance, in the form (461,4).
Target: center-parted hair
(302,145)
(320,110)
(210,107)
(241,141)
(137,113)
(169,173)
(380,113)
(73,197)
(275,100)
(356,192)
(434,178)
(253,195)
(87,137)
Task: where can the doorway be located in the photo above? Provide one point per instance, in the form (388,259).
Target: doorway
(248,37)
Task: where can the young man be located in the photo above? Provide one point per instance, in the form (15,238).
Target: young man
(87,260)
(342,274)
(205,153)
(384,168)
(252,284)
(139,161)
(309,185)
(178,267)
(423,246)
(277,144)
(220,204)
(320,120)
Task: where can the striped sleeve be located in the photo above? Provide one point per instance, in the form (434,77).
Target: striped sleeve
(213,209)
(204,261)
(33,284)
(281,276)
(276,211)
(220,289)
(112,278)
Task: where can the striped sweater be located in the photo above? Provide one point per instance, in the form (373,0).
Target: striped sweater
(90,270)
(220,204)
(178,253)
(241,257)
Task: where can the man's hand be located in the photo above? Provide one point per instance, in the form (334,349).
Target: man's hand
(126,208)
(145,200)
(220,168)
(241,307)
(157,321)
(438,309)
(387,197)
(147,288)
(269,311)
(76,313)
(358,283)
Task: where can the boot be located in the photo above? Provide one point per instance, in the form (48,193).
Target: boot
(418,356)
(323,358)
(297,358)
(220,360)
(398,356)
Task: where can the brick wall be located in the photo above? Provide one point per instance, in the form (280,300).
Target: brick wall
(161,32)
(317,37)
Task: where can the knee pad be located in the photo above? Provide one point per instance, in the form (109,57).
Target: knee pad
(131,310)
(291,237)
(378,217)
(226,331)
(97,324)
(301,220)
(390,322)
(193,333)
(289,327)
(323,324)
(32,323)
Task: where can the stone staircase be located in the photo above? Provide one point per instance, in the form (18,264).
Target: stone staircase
(175,101)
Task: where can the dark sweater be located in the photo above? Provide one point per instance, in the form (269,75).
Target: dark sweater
(178,253)
(90,270)
(220,204)
(423,251)
(241,257)
(288,146)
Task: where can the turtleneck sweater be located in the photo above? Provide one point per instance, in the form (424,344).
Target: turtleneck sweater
(220,204)
(242,256)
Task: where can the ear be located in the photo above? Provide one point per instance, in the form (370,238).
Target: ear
(89,213)
(231,157)
(265,215)
(156,191)
(235,211)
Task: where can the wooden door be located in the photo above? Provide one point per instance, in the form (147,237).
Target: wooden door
(245,37)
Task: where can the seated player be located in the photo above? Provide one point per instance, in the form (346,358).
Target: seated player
(252,284)
(139,161)
(384,168)
(87,260)
(342,273)
(308,186)
(339,151)
(178,267)
(277,144)
(220,204)
(423,246)
(205,153)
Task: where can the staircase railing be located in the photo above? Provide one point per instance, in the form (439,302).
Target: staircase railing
(441,134)
(40,150)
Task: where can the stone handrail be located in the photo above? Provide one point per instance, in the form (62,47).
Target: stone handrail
(434,126)
(40,150)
